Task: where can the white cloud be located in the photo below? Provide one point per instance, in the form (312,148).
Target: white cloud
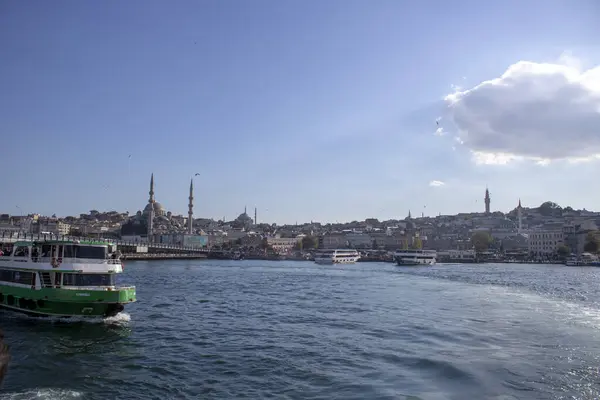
(534,111)
(456,88)
(436,183)
(439,131)
(480,157)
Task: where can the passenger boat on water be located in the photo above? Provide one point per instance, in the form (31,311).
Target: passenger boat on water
(63,278)
(337,256)
(415,257)
(584,260)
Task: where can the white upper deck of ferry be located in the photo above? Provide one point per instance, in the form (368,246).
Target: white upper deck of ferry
(62,256)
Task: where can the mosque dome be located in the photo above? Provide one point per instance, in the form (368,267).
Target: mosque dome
(243,217)
(159,210)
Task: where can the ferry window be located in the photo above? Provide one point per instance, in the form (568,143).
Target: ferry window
(22,251)
(88,280)
(69,251)
(46,250)
(22,277)
(93,252)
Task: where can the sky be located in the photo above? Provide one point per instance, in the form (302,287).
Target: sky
(328,111)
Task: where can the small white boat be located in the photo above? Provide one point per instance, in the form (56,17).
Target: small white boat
(585,260)
(457,256)
(337,256)
(415,257)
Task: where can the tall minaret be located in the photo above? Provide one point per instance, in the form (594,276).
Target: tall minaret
(520,216)
(255,219)
(487,201)
(151,211)
(191,209)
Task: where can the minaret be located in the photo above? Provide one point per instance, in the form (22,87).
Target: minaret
(151,211)
(255,219)
(409,215)
(520,216)
(487,201)
(191,209)
(151,200)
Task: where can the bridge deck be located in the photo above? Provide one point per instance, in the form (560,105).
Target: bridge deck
(12,237)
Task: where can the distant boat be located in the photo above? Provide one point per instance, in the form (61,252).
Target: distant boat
(415,257)
(585,260)
(457,256)
(337,256)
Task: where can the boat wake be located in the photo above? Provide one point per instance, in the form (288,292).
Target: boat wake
(120,319)
(42,394)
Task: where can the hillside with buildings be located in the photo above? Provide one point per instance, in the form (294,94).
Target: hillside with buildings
(547,231)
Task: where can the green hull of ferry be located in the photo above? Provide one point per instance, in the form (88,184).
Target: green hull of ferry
(66,302)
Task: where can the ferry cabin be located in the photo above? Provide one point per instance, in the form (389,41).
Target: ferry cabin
(457,256)
(338,256)
(415,257)
(60,265)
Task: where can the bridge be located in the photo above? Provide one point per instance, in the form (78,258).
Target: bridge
(125,247)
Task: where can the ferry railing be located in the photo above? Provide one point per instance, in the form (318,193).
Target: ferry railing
(72,260)
(105,288)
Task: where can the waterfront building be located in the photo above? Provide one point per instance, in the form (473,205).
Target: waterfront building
(545,241)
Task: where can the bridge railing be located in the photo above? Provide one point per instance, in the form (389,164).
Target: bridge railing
(16,236)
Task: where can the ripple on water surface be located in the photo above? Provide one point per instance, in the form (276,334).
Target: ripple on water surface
(295,330)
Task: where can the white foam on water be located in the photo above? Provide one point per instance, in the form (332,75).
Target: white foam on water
(560,309)
(121,318)
(42,394)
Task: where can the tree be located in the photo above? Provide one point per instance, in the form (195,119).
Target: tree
(592,244)
(481,241)
(417,244)
(405,244)
(591,247)
(264,244)
(309,242)
(563,251)
(549,209)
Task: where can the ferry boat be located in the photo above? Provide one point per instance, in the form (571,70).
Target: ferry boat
(457,256)
(585,260)
(63,279)
(415,257)
(337,256)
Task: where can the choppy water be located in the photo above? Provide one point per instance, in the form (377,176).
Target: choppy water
(295,330)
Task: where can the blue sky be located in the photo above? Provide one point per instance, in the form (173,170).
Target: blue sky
(321,110)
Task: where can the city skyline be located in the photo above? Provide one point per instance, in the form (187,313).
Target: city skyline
(341,110)
(158,207)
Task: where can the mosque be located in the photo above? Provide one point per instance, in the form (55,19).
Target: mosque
(156,225)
